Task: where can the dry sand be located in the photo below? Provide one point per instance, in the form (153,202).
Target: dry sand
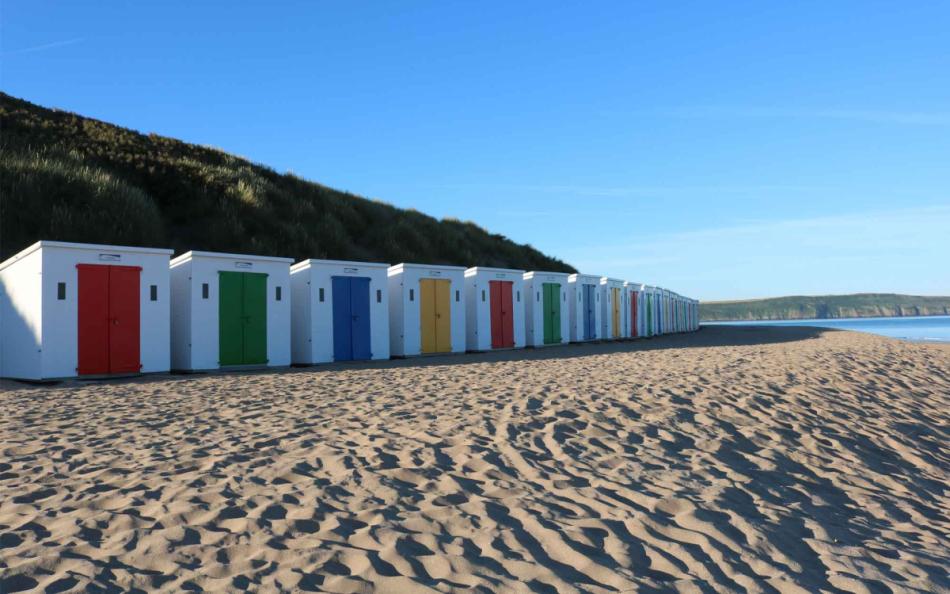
(737,459)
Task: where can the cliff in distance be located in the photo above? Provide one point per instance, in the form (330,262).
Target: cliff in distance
(860,305)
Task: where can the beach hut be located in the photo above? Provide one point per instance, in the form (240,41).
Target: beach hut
(678,305)
(584,298)
(654,294)
(680,314)
(689,315)
(649,296)
(641,312)
(674,312)
(339,311)
(680,319)
(230,311)
(494,309)
(612,309)
(661,310)
(671,312)
(74,309)
(632,293)
(667,311)
(686,321)
(426,309)
(547,316)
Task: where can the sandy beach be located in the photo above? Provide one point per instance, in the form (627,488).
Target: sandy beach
(738,459)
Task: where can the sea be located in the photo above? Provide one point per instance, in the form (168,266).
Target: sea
(916,328)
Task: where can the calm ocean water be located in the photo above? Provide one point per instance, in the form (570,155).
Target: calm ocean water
(924,328)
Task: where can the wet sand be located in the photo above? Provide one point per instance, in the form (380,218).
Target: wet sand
(737,459)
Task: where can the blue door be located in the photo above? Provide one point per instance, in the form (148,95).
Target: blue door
(359,309)
(351,332)
(589,305)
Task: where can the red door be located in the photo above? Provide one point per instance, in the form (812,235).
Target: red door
(497,335)
(108,319)
(507,319)
(93,295)
(502,322)
(633,313)
(124,301)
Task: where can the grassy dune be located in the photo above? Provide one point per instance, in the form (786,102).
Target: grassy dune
(71,178)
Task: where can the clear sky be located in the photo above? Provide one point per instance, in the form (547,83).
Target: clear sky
(720,149)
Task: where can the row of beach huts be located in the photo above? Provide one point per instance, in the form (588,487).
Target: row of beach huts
(72,309)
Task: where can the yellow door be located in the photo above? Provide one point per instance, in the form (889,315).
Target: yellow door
(616,316)
(443,316)
(434,315)
(427,314)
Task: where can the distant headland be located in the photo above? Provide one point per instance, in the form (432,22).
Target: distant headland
(801,307)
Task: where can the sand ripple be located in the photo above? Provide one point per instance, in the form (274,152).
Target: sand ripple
(768,460)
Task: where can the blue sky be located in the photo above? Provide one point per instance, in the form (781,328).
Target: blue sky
(723,150)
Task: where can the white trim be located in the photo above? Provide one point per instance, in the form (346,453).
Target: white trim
(193,254)
(303,264)
(95,247)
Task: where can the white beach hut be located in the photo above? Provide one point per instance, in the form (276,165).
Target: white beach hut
(674,312)
(584,297)
(612,308)
(74,309)
(661,303)
(426,309)
(670,312)
(339,311)
(230,310)
(632,297)
(684,314)
(547,312)
(650,311)
(642,330)
(494,309)
(680,314)
(667,312)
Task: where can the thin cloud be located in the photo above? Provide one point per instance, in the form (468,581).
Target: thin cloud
(902,219)
(914,118)
(897,250)
(44,47)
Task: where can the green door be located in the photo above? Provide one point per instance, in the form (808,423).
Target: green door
(552,312)
(255,318)
(242,318)
(230,318)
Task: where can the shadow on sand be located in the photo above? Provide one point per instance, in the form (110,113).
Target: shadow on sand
(706,337)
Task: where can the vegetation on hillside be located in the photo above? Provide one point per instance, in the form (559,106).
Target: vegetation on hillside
(861,305)
(71,178)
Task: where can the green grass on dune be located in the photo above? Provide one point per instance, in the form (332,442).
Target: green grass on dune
(71,178)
